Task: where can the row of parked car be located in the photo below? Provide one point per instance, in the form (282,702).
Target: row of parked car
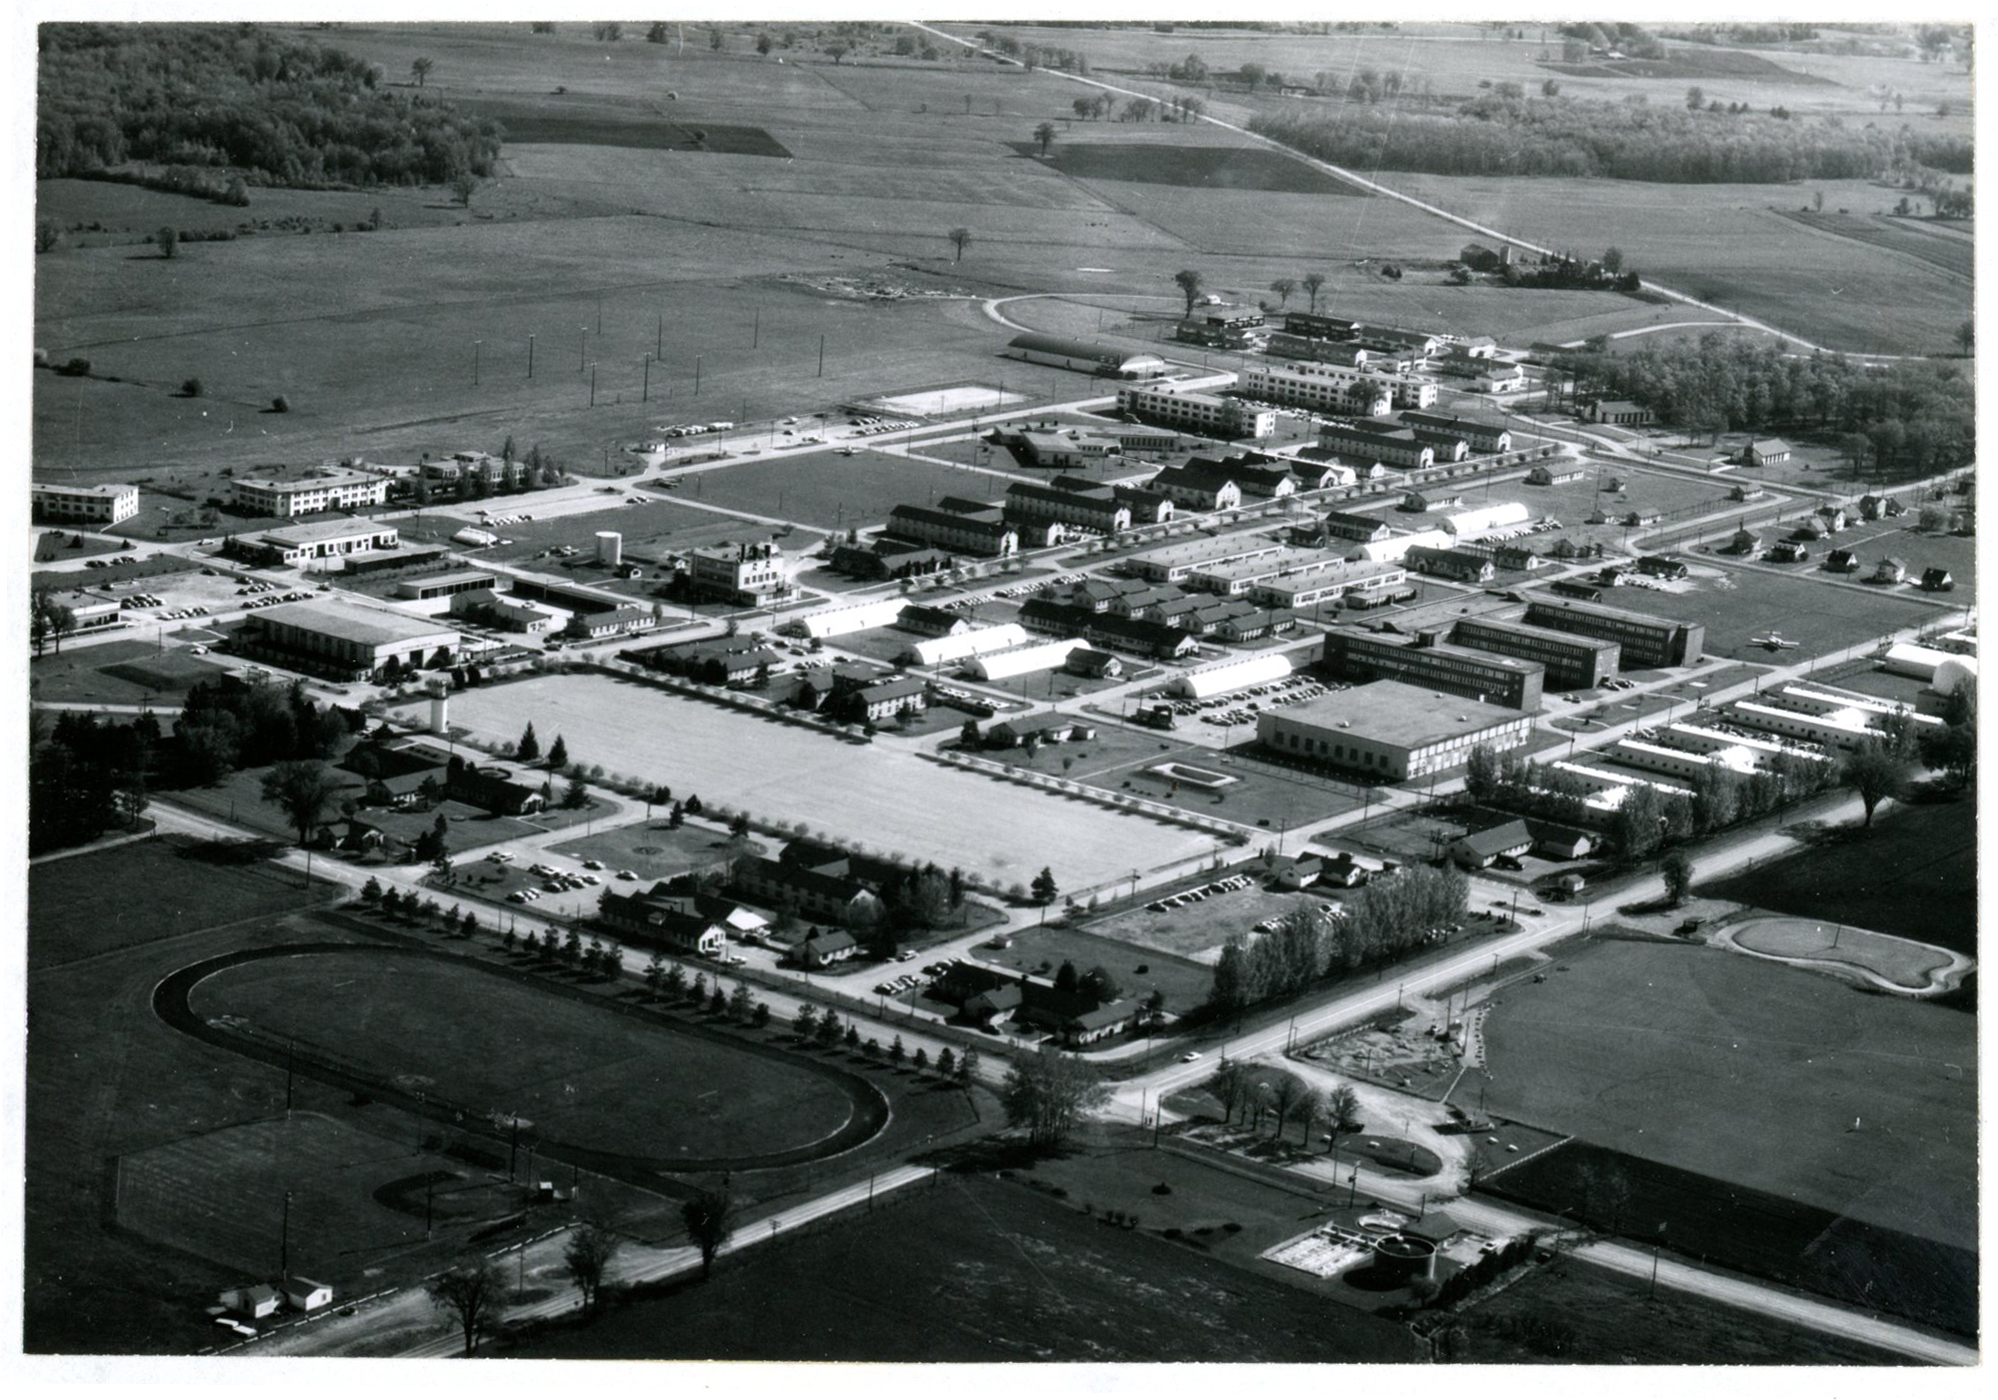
(1199,892)
(271,601)
(107,563)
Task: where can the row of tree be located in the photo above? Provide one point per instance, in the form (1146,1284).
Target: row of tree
(279,109)
(1913,415)
(1509,133)
(1381,922)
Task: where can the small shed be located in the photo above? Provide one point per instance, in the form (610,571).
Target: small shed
(305,1295)
(254,1301)
(1764,451)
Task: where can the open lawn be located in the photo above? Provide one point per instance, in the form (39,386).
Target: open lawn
(651,530)
(981,1270)
(586,1077)
(123,672)
(652,850)
(84,905)
(833,492)
(879,795)
(1904,963)
(1926,857)
(1197,931)
(1701,1060)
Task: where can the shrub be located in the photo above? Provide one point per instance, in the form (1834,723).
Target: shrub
(190,388)
(280,404)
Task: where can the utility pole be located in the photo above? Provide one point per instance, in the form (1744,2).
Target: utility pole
(697,376)
(593,385)
(645,395)
(284,1240)
(600,313)
(756,329)
(475,362)
(530,357)
(822,357)
(659,339)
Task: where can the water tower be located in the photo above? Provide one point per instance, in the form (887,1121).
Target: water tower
(610,548)
(440,703)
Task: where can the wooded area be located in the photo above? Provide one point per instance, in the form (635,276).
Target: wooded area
(281,111)
(1511,134)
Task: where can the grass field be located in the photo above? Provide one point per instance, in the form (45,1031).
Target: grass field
(1903,963)
(1802,606)
(123,672)
(1204,167)
(586,1077)
(879,795)
(832,492)
(151,890)
(979,1270)
(1750,1072)
(1612,1319)
(1930,850)
(651,850)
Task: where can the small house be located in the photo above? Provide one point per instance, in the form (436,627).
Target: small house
(306,1296)
(1842,561)
(1343,871)
(1889,571)
(1477,850)
(824,947)
(1097,665)
(1764,452)
(1790,552)
(1552,841)
(255,1301)
(1937,581)
(1658,566)
(1744,541)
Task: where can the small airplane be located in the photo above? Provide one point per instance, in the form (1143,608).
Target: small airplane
(1774,641)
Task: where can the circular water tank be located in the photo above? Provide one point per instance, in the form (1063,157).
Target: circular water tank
(1952,673)
(1402,1259)
(610,548)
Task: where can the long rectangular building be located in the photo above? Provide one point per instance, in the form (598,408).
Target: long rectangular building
(322,539)
(347,639)
(1336,388)
(1208,414)
(1646,641)
(96,505)
(330,490)
(1173,562)
(1094,507)
(1482,675)
(983,531)
(1390,730)
(1573,662)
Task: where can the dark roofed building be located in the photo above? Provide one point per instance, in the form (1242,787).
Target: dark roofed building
(1475,850)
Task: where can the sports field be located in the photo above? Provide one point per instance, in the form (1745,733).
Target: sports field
(488,1045)
(879,795)
(1753,1073)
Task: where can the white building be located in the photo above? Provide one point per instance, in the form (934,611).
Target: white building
(1394,548)
(1019,661)
(97,505)
(319,540)
(854,617)
(1485,520)
(938,651)
(1208,414)
(1237,674)
(329,490)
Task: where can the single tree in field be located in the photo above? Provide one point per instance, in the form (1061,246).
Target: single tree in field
(469,1293)
(463,184)
(1966,336)
(558,756)
(836,51)
(1044,888)
(1048,1093)
(1612,260)
(1045,134)
(529,747)
(1342,1114)
(584,1261)
(576,795)
(420,68)
(1284,287)
(302,789)
(1677,870)
(1188,281)
(1314,283)
(709,1221)
(959,238)
(1695,99)
(168,240)
(1874,772)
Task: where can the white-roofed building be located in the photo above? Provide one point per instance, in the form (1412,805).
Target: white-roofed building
(1019,661)
(1477,523)
(938,651)
(1394,548)
(1238,673)
(853,617)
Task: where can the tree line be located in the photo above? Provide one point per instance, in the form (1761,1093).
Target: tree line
(1508,133)
(1913,415)
(85,776)
(1381,922)
(281,110)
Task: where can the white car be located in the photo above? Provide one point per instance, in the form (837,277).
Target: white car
(1189,1057)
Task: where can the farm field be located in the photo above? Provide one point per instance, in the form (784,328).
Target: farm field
(980,1270)
(1931,850)
(587,1077)
(1729,1067)
(1733,246)
(1823,616)
(879,795)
